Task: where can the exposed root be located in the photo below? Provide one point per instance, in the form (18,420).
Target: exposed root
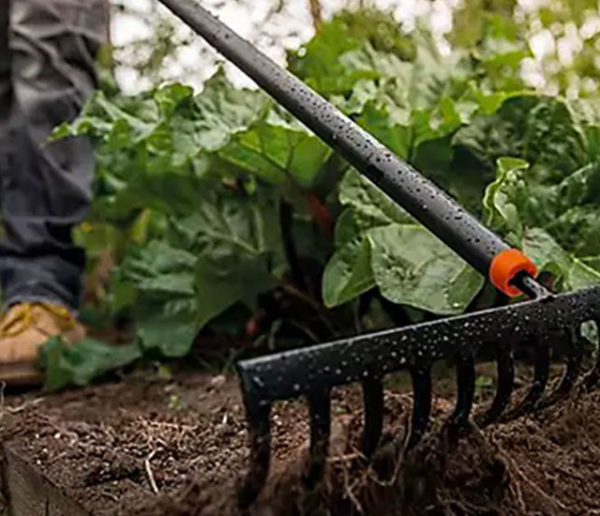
(27,405)
(149,472)
(4,409)
(514,468)
(349,491)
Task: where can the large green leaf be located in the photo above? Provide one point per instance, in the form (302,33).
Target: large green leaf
(348,274)
(227,251)
(227,228)
(164,278)
(370,205)
(412,267)
(377,121)
(586,113)
(160,268)
(167,327)
(220,289)
(219,112)
(577,230)
(237,242)
(379,244)
(79,363)
(277,150)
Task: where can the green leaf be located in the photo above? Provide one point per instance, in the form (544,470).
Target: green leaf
(539,130)
(577,230)
(447,167)
(408,264)
(153,150)
(218,287)
(568,211)
(348,274)
(572,272)
(227,251)
(167,328)
(160,268)
(276,150)
(349,226)
(414,268)
(164,278)
(376,121)
(370,206)
(593,262)
(227,228)
(78,364)
(219,112)
(586,113)
(319,61)
(238,245)
(501,200)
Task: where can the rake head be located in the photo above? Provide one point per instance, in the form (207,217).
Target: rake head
(366,359)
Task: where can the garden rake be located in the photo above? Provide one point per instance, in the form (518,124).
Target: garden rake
(540,322)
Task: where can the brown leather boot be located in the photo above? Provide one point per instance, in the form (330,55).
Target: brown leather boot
(24,329)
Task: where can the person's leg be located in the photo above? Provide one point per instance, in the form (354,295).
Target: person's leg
(5,86)
(46,186)
(47,55)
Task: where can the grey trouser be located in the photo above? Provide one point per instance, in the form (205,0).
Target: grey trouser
(47,56)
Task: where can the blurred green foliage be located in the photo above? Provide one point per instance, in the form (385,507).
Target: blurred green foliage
(218,203)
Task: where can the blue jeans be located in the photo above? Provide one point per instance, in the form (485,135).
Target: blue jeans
(47,59)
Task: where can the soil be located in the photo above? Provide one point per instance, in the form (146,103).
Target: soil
(176,447)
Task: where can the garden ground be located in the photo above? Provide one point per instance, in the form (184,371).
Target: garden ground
(176,446)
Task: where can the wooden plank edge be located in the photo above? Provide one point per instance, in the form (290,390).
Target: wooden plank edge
(30,492)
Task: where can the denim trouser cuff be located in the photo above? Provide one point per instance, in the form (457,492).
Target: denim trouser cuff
(46,279)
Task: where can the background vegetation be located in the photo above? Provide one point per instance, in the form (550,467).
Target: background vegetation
(220,221)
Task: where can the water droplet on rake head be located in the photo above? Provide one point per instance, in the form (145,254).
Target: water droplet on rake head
(258,381)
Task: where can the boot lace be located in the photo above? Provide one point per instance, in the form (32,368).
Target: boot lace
(25,316)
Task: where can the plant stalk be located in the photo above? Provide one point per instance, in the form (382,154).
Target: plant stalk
(317,13)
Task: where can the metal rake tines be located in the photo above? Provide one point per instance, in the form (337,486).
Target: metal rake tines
(366,359)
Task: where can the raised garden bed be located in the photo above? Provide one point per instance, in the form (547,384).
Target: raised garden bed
(175,447)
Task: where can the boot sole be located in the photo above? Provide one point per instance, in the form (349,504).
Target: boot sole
(20,374)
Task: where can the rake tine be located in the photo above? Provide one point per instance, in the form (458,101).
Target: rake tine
(538,385)
(373,403)
(506,380)
(319,404)
(575,346)
(421,380)
(259,422)
(465,379)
